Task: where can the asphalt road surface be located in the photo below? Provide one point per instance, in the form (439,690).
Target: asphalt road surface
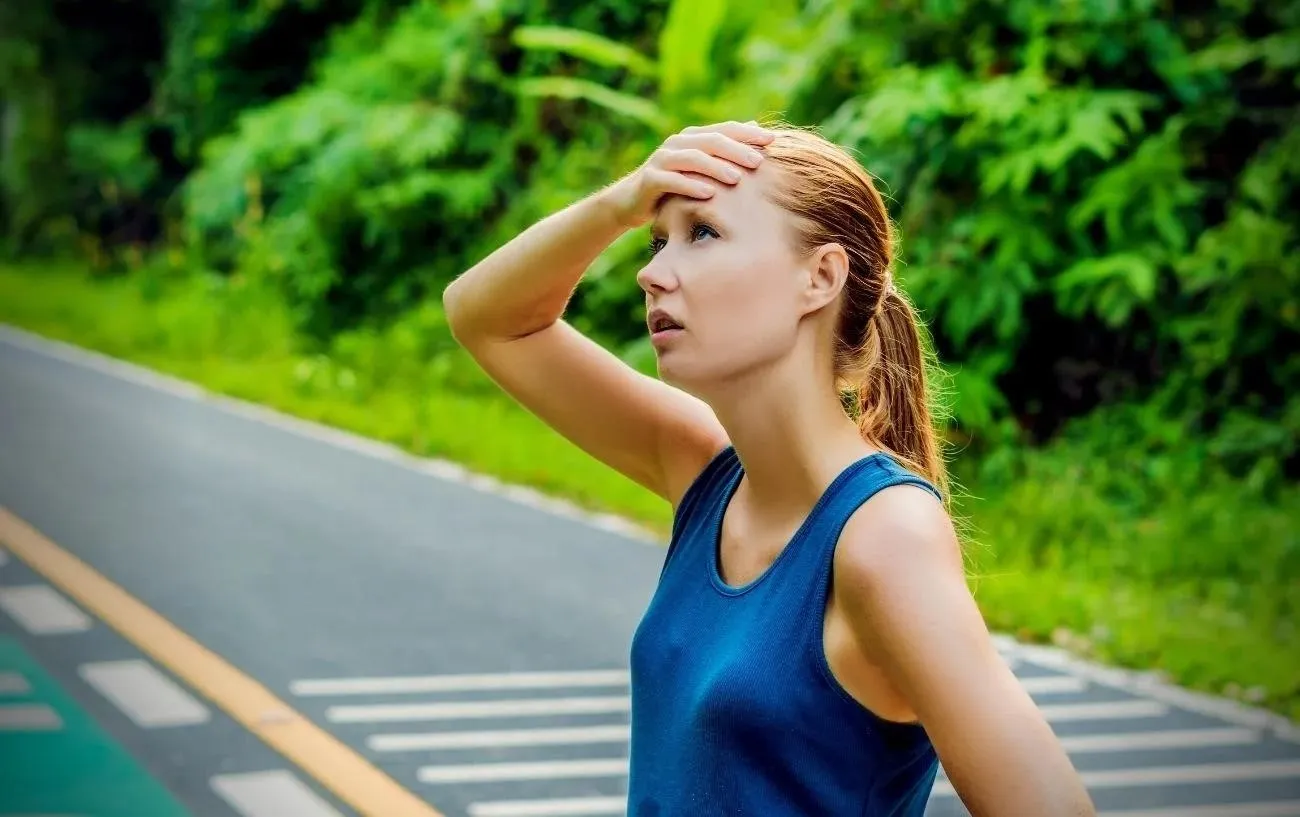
(470,647)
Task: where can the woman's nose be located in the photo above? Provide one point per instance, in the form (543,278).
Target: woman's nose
(656,277)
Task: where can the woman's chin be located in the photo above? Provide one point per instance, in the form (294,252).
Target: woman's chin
(671,369)
(677,372)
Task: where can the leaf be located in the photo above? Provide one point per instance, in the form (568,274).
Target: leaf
(686,45)
(1282,50)
(1231,53)
(976,398)
(1147,192)
(584,45)
(628,105)
(1111,285)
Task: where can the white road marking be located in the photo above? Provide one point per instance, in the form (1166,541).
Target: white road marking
(1052,684)
(1190,773)
(570,807)
(42,611)
(29,718)
(13,683)
(271,794)
(417,684)
(542,770)
(1275,808)
(498,738)
(458,683)
(1164,739)
(376,713)
(1102,710)
(1152,685)
(1194,773)
(146,696)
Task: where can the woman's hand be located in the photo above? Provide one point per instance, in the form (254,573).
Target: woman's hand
(688,163)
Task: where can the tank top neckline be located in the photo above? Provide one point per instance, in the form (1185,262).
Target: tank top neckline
(728,492)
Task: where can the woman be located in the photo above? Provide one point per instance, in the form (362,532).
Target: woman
(812,647)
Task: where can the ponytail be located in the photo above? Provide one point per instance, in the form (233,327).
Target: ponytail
(892,397)
(880,363)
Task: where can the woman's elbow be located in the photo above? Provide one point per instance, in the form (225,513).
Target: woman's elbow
(454,312)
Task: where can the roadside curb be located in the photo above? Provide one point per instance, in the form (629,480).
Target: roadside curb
(1151,685)
(443,469)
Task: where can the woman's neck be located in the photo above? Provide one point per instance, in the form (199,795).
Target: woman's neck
(791,435)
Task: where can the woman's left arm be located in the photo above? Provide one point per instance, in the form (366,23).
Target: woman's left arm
(899,579)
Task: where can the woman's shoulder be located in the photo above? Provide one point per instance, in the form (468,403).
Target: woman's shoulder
(899,580)
(903,532)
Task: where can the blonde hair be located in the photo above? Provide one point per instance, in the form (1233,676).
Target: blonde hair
(879,356)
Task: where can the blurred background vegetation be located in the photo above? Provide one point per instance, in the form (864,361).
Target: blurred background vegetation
(1097,202)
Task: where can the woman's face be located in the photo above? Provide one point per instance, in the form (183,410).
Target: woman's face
(724,269)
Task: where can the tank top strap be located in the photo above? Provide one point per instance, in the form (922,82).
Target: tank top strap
(859,483)
(698,502)
(854,487)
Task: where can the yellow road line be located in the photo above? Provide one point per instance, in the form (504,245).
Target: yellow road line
(319,754)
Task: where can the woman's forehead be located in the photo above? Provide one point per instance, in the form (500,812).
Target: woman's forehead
(744,200)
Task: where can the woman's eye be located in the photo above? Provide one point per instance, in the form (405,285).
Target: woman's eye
(706,229)
(697,232)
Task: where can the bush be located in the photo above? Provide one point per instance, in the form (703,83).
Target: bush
(358,191)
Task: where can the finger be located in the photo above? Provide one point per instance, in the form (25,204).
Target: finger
(698,161)
(721,145)
(668,182)
(749,131)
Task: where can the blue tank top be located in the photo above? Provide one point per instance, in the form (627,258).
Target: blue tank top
(734,707)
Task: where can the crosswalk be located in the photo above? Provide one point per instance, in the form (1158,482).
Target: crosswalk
(554,744)
(517,744)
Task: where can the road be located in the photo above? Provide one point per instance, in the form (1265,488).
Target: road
(276,621)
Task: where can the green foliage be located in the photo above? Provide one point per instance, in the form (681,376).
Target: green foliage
(1062,226)
(344,189)
(1135,524)
(1069,172)
(227,56)
(585,45)
(1095,199)
(63,72)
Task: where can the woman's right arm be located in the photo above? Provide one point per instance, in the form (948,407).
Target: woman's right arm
(507,310)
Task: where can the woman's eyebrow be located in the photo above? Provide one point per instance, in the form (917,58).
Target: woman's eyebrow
(683,211)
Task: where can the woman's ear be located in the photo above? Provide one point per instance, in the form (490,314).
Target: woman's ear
(826,273)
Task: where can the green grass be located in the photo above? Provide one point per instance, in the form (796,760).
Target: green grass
(1140,561)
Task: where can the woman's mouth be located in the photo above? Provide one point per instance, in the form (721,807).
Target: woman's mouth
(662,325)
